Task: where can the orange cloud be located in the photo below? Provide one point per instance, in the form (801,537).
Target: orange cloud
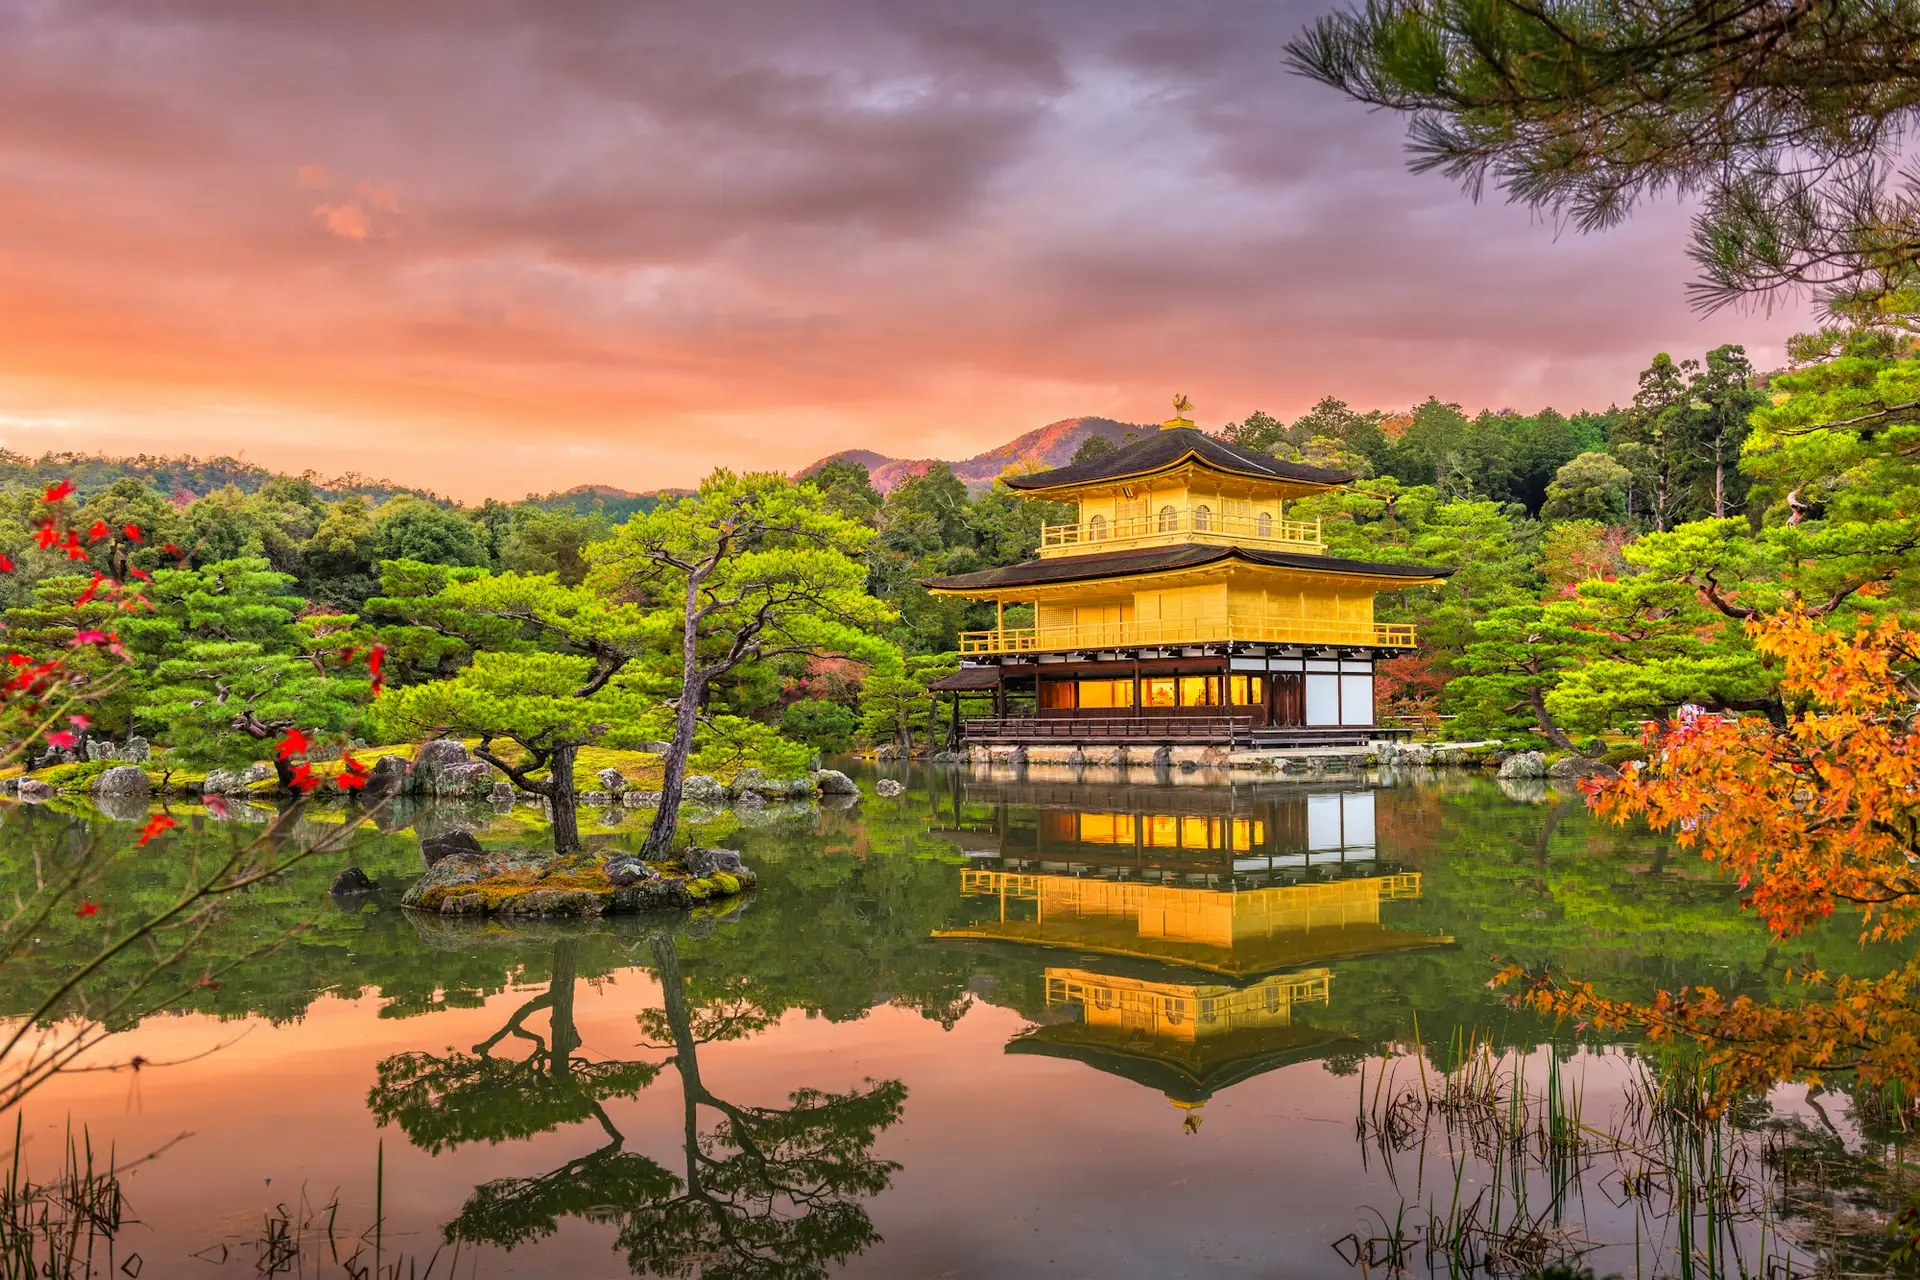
(348,221)
(749,235)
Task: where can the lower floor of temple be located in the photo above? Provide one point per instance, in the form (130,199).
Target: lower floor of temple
(1226,696)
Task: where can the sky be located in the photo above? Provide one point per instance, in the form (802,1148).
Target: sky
(493,247)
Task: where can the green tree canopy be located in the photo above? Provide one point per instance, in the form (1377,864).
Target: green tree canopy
(748,569)
(1784,120)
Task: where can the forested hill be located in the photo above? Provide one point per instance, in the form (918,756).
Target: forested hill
(1050,446)
(182,478)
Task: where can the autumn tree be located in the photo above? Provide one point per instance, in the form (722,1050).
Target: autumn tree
(748,569)
(1820,813)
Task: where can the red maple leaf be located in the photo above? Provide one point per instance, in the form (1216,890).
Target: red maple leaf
(376,658)
(93,588)
(173,551)
(59,492)
(141,574)
(133,532)
(294,744)
(88,909)
(303,779)
(62,739)
(158,823)
(46,535)
(353,774)
(78,722)
(74,550)
(82,638)
(98,531)
(6,563)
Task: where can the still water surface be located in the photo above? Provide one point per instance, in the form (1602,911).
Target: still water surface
(1066,1024)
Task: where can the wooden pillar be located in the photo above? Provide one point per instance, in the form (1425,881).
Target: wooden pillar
(1000,694)
(953,724)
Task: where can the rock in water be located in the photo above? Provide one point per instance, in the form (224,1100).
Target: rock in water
(889,788)
(473,778)
(612,781)
(388,777)
(432,762)
(351,883)
(702,863)
(832,782)
(1581,767)
(34,791)
(703,789)
(122,806)
(121,780)
(224,782)
(502,794)
(625,870)
(452,844)
(1524,764)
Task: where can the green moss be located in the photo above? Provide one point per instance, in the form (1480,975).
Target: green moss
(73,777)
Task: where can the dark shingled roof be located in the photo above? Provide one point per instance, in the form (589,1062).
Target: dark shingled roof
(1163,449)
(967,679)
(1122,564)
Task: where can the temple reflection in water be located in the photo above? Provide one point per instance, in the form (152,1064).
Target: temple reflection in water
(1185,929)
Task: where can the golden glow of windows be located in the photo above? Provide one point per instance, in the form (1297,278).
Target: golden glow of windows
(1106,694)
(1106,828)
(1247,691)
(1158,691)
(1056,695)
(1157,830)
(1199,691)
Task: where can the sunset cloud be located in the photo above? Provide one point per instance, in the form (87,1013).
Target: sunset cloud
(529,245)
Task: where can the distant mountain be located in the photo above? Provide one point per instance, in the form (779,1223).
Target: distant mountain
(1050,446)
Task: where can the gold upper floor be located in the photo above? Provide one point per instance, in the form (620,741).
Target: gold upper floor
(1187,505)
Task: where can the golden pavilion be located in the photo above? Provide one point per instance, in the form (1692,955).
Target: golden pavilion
(1182,946)
(1182,605)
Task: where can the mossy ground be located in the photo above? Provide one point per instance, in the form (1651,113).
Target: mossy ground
(583,873)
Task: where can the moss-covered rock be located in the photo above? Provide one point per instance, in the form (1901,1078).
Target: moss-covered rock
(525,884)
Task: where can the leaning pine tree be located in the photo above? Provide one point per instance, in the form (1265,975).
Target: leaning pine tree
(561,674)
(749,569)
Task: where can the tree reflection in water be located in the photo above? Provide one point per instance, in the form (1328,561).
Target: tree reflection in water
(767,1191)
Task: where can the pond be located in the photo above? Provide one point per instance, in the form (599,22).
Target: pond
(1059,1023)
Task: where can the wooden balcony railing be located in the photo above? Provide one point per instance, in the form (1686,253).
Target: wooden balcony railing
(1223,730)
(1182,525)
(1126,635)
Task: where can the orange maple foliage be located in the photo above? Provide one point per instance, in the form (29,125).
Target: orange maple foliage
(1823,811)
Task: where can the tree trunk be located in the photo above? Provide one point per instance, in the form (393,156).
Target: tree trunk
(1719,478)
(562,1036)
(566,824)
(673,1001)
(666,820)
(1537,699)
